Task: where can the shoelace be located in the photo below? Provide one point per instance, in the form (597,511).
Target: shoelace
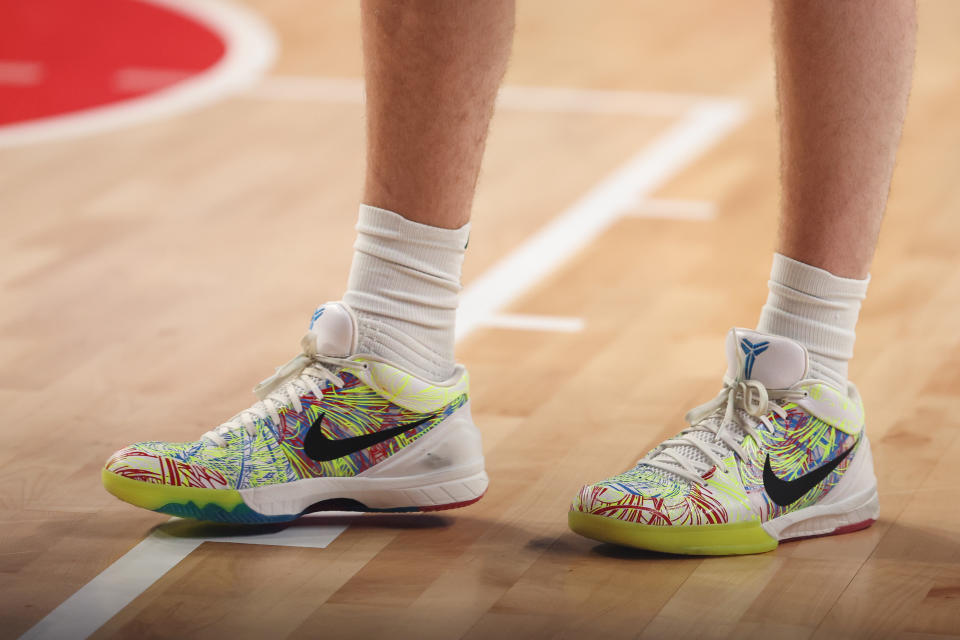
(727,433)
(304,373)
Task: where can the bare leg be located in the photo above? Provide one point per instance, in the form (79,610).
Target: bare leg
(843,76)
(432,71)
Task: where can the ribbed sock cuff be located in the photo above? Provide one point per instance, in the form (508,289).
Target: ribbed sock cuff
(404,285)
(818,310)
(815,281)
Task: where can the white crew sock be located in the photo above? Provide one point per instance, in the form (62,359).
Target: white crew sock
(817,309)
(403,287)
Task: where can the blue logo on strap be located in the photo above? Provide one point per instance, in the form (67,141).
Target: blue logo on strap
(316,316)
(752,351)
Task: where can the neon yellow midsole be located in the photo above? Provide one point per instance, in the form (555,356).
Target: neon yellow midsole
(708,539)
(154,496)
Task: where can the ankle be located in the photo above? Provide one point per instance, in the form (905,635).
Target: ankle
(817,309)
(404,285)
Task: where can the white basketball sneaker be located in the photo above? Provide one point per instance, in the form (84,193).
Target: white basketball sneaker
(775,456)
(333,430)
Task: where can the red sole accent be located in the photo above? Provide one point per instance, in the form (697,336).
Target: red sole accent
(850,528)
(452,505)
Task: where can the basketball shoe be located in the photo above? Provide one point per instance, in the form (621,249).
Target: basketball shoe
(775,456)
(333,430)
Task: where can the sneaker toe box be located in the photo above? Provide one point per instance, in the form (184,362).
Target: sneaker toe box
(153,462)
(609,499)
(639,499)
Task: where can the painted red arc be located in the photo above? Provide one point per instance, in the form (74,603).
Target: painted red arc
(60,57)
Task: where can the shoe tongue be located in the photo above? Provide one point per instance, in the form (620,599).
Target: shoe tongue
(775,361)
(336,330)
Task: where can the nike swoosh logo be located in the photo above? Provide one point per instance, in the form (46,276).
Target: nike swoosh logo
(786,492)
(322,449)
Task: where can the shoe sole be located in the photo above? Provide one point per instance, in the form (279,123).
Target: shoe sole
(709,539)
(739,538)
(229,505)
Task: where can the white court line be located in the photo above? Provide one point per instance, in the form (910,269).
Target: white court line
(673,209)
(527,322)
(119,584)
(482,301)
(250,50)
(511,98)
(578,226)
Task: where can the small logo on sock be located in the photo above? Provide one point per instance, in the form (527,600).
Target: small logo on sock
(752,351)
(316,315)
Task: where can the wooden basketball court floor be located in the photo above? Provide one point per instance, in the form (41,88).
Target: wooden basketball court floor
(149,276)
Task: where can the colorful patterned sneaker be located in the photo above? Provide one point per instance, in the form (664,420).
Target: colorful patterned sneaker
(775,456)
(333,430)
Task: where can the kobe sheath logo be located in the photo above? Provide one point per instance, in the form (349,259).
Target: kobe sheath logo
(321,448)
(752,351)
(316,316)
(786,492)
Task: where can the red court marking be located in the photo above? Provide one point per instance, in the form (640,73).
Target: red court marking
(64,56)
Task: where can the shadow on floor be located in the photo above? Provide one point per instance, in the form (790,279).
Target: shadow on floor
(183,528)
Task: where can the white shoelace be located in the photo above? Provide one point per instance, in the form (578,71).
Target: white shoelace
(714,437)
(303,374)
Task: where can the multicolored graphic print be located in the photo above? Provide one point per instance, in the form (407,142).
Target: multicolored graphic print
(796,445)
(641,497)
(275,454)
(799,444)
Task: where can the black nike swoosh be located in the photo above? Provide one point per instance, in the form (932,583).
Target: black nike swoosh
(321,448)
(786,492)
